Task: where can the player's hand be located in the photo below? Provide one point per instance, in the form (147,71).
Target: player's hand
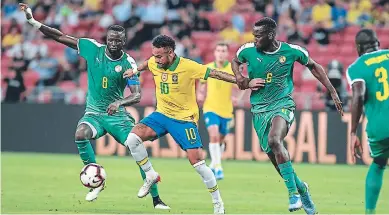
(26,9)
(256,83)
(355,147)
(128,73)
(113,108)
(338,103)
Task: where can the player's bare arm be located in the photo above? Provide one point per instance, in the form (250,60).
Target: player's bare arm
(252,84)
(241,81)
(358,89)
(128,101)
(320,74)
(130,72)
(48,31)
(201,91)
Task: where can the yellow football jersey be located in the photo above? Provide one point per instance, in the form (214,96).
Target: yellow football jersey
(175,88)
(219,93)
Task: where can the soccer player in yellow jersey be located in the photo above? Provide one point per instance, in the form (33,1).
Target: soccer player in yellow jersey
(177,112)
(218,107)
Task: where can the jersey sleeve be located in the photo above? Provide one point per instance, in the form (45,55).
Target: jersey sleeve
(133,80)
(354,74)
(87,48)
(302,55)
(151,64)
(198,71)
(241,53)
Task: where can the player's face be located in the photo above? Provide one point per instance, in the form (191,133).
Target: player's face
(221,53)
(163,56)
(263,37)
(115,41)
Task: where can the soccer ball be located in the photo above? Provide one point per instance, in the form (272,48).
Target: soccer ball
(93,175)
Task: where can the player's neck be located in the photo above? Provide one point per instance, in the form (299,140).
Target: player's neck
(220,64)
(274,46)
(114,55)
(174,60)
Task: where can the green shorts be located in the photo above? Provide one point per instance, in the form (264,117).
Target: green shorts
(118,125)
(379,149)
(262,124)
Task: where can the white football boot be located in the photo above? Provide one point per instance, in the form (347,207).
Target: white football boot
(93,193)
(148,182)
(218,208)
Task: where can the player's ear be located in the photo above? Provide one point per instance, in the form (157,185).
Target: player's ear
(271,35)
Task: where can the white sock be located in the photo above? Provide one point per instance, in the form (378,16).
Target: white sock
(215,152)
(139,153)
(209,180)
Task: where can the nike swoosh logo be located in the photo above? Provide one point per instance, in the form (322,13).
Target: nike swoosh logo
(93,181)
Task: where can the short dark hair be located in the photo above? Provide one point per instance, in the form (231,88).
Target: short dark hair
(267,22)
(117,28)
(164,41)
(366,37)
(222,43)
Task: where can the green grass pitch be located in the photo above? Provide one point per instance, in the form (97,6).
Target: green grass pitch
(43,183)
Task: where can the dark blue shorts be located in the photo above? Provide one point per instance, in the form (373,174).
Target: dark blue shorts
(212,118)
(186,134)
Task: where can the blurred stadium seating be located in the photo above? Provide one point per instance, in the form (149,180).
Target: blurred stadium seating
(79,18)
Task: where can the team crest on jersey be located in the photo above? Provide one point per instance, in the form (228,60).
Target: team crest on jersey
(164,77)
(282,59)
(175,78)
(118,68)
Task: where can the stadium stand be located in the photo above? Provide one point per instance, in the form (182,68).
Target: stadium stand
(79,18)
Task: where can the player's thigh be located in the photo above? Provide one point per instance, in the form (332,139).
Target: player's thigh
(225,126)
(119,126)
(151,127)
(379,149)
(93,122)
(262,123)
(186,134)
(281,120)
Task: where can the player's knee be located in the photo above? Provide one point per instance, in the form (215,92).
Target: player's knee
(194,155)
(214,138)
(133,141)
(381,162)
(82,133)
(274,141)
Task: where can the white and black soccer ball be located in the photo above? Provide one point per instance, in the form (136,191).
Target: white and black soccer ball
(93,175)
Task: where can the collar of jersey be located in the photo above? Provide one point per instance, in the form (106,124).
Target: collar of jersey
(279,47)
(105,52)
(224,64)
(174,64)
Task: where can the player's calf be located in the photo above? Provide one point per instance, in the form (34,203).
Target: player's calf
(208,178)
(135,144)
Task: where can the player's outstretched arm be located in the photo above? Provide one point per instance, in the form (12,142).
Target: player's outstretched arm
(320,74)
(128,101)
(131,72)
(254,84)
(48,31)
(357,101)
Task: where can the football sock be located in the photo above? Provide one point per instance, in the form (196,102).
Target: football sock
(373,186)
(300,184)
(209,180)
(287,173)
(215,152)
(139,153)
(154,188)
(86,152)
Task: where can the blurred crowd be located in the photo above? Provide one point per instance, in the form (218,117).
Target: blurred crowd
(39,70)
